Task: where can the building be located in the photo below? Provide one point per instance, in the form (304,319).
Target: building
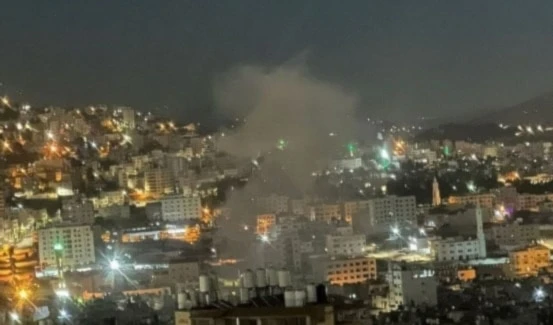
(273,203)
(436,198)
(512,234)
(383,213)
(158,181)
(461,248)
(528,261)
(531,202)
(411,285)
(184,272)
(264,223)
(345,243)
(325,212)
(128,118)
(80,211)
(178,207)
(353,207)
(72,244)
(350,270)
(485,200)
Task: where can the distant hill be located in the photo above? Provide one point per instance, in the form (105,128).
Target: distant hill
(466,132)
(537,110)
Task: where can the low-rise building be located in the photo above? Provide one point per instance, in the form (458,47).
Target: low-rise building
(411,284)
(512,234)
(345,243)
(484,200)
(350,270)
(528,261)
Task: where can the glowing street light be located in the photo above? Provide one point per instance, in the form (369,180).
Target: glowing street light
(58,247)
(395,230)
(539,294)
(264,238)
(114,265)
(63,313)
(14,317)
(23,294)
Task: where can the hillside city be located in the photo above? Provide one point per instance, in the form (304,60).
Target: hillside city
(110,215)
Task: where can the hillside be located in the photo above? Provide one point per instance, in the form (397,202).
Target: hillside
(537,110)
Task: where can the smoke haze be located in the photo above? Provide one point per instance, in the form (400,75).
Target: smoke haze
(289,116)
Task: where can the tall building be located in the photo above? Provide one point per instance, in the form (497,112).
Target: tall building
(73,245)
(436,198)
(178,207)
(128,118)
(158,181)
(480,236)
(383,213)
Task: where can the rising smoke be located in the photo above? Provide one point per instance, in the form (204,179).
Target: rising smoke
(289,116)
(295,121)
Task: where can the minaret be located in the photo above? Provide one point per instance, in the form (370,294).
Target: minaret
(436,199)
(480,232)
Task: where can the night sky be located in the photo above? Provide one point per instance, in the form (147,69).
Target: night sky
(403,58)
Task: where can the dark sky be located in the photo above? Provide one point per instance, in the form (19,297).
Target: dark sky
(403,58)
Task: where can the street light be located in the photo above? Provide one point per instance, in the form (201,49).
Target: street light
(265,238)
(114,265)
(63,313)
(14,316)
(23,294)
(58,247)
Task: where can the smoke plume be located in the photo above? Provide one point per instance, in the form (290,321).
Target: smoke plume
(291,117)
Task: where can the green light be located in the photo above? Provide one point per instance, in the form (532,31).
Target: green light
(446,150)
(281,144)
(351,148)
(58,247)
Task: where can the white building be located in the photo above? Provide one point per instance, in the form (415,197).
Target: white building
(347,163)
(178,207)
(410,284)
(460,248)
(383,213)
(345,243)
(73,243)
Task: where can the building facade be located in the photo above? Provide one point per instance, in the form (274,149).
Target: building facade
(73,245)
(178,207)
(350,270)
(528,261)
(345,243)
(410,284)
